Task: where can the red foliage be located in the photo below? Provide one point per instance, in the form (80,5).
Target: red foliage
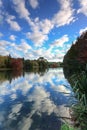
(16,64)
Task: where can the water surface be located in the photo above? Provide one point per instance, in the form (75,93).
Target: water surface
(34,101)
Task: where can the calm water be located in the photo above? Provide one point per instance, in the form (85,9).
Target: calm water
(34,101)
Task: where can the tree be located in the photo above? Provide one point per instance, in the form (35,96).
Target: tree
(16,64)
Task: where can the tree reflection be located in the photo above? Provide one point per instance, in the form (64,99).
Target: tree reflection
(9,75)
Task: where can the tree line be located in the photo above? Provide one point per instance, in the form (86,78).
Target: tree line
(7,62)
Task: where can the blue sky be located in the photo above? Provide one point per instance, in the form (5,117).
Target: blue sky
(35,28)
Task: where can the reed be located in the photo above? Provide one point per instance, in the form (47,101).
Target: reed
(67,127)
(79,84)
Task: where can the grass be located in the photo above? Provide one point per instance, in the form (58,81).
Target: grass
(79,84)
(67,127)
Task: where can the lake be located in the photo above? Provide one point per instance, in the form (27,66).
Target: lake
(34,101)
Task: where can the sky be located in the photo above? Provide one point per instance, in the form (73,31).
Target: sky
(40,28)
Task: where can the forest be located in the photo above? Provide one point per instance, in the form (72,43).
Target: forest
(9,63)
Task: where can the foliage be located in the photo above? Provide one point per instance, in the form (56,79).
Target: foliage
(76,57)
(2,61)
(67,127)
(79,84)
(7,62)
(74,69)
(16,64)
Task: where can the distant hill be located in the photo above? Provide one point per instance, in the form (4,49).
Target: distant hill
(76,57)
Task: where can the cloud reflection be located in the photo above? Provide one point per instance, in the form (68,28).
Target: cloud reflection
(31,95)
(42,102)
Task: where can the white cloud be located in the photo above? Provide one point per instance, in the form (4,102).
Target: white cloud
(4,43)
(24,46)
(46,26)
(20,8)
(40,31)
(41,28)
(53,52)
(13,24)
(65,15)
(3,51)
(63,89)
(25,123)
(1,35)
(83,7)
(82,30)
(14,49)
(19,50)
(38,38)
(42,103)
(60,42)
(36,53)
(12,37)
(15,110)
(24,49)
(34,3)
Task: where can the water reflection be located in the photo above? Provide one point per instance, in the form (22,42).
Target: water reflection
(34,101)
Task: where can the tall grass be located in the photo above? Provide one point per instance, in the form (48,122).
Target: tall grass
(79,110)
(79,83)
(67,127)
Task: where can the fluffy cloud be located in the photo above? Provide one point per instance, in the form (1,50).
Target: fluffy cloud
(40,31)
(26,122)
(4,47)
(38,38)
(14,49)
(60,42)
(53,53)
(34,3)
(41,100)
(82,30)
(15,110)
(13,24)
(41,28)
(4,43)
(12,37)
(46,26)
(3,51)
(65,15)
(24,46)
(20,8)
(83,7)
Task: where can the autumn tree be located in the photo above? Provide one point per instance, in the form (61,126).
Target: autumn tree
(16,64)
